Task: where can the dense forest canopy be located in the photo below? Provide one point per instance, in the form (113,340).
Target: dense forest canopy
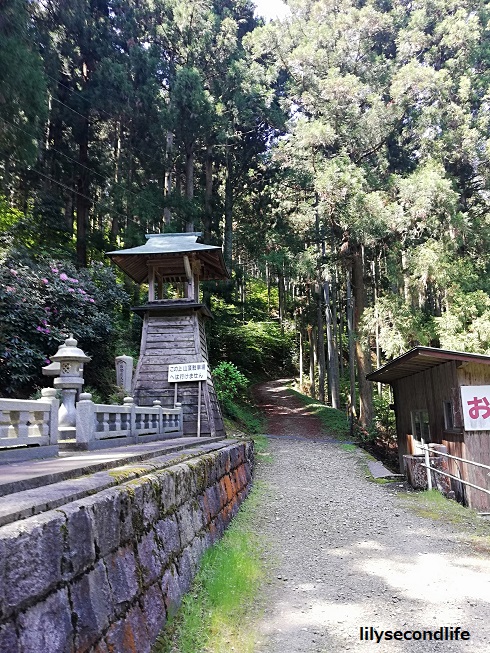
(340,156)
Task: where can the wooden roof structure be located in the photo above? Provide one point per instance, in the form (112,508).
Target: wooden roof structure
(167,251)
(420,359)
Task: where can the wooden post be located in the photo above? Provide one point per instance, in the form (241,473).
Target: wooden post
(199,410)
(427,462)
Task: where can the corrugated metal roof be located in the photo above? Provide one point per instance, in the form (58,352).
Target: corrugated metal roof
(168,244)
(167,248)
(420,359)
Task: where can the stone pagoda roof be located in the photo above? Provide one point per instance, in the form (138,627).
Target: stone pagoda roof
(167,251)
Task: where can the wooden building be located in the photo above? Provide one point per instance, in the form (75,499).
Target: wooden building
(173,326)
(435,392)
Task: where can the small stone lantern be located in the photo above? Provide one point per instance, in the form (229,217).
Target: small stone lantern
(70,380)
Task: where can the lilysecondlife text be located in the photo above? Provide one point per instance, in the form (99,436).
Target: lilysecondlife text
(442,634)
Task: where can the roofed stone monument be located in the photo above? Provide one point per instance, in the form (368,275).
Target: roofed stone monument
(173,364)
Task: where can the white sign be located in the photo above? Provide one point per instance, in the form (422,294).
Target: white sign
(475,400)
(187,372)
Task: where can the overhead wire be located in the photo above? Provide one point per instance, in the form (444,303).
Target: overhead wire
(91,170)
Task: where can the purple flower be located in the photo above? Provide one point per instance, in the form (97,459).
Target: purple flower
(73,280)
(10,289)
(92,301)
(39,328)
(55,270)
(70,290)
(47,361)
(81,291)
(63,277)
(14,272)
(45,281)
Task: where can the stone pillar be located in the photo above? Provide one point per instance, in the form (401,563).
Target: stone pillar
(124,372)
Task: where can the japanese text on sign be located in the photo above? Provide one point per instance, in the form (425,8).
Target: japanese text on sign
(187,372)
(475,401)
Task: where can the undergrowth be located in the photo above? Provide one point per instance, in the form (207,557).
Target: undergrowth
(333,420)
(216,616)
(432,504)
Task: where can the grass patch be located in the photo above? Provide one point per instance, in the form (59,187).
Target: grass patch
(246,416)
(217,614)
(348,447)
(432,504)
(334,421)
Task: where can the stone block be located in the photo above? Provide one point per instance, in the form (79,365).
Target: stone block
(212,470)
(212,501)
(31,553)
(185,566)
(154,610)
(224,462)
(167,532)
(166,483)
(8,639)
(92,606)
(47,626)
(229,488)
(185,520)
(79,540)
(100,647)
(171,591)
(129,635)
(145,500)
(237,456)
(223,497)
(185,486)
(122,575)
(126,514)
(104,509)
(199,471)
(149,559)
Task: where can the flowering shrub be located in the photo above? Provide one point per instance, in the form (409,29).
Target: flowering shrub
(41,303)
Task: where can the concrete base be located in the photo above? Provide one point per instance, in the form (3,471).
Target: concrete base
(110,443)
(17,454)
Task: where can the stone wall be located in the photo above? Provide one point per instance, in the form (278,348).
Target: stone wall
(101,575)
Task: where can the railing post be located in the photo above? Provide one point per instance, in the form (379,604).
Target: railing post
(48,395)
(85,419)
(180,418)
(427,463)
(158,404)
(129,401)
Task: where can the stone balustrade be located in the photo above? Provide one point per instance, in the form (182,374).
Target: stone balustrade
(29,428)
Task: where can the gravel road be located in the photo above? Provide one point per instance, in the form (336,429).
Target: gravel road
(348,554)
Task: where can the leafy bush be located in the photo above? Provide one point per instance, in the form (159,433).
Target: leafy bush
(228,381)
(41,303)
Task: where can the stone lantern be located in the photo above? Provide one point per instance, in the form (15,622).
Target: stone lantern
(70,380)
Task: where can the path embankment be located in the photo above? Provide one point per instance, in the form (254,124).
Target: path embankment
(348,554)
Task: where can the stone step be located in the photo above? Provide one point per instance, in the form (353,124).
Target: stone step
(88,481)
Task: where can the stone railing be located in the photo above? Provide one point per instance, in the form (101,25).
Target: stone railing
(105,425)
(29,428)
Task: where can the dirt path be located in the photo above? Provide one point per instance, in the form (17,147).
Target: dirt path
(348,554)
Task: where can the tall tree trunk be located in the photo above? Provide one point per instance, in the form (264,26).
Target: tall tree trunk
(208,196)
(189,183)
(300,332)
(352,367)
(363,354)
(321,345)
(83,189)
(311,342)
(228,235)
(167,184)
(333,357)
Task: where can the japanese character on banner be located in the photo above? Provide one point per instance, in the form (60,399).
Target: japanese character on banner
(479,405)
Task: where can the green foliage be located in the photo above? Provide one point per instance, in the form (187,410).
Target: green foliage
(41,303)
(229,382)
(246,416)
(334,421)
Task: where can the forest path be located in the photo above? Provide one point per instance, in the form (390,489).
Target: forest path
(348,554)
